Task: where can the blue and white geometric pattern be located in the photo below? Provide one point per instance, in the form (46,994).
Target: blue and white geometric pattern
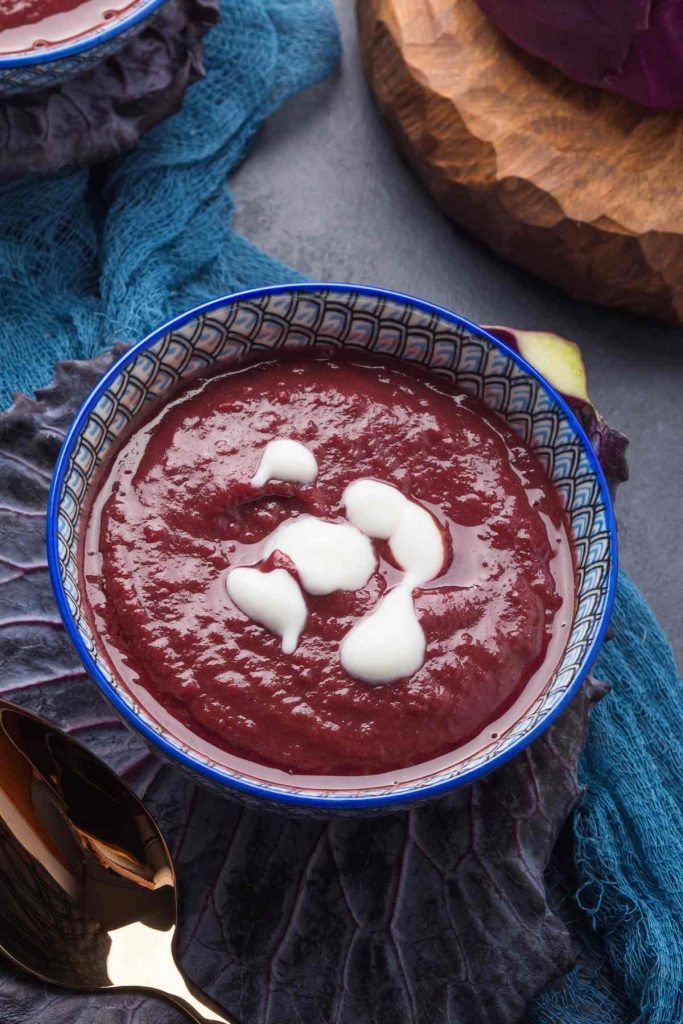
(42,68)
(324,320)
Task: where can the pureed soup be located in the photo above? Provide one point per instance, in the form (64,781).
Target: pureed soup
(26,25)
(328,568)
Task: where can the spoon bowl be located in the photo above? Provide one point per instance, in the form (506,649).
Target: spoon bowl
(88,895)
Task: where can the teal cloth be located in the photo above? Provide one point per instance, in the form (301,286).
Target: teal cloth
(90,259)
(625,886)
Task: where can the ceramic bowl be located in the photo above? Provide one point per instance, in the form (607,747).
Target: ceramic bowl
(56,62)
(325,319)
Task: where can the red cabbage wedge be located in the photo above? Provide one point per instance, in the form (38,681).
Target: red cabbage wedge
(630,47)
(561,363)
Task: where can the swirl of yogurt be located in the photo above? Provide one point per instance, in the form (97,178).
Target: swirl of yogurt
(288,460)
(389,643)
(386,644)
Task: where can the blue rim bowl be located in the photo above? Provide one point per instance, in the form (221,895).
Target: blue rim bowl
(49,65)
(322,319)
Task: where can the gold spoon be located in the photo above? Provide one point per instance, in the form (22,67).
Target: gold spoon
(87,885)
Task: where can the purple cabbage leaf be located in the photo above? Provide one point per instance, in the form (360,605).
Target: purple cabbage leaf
(105,110)
(437,915)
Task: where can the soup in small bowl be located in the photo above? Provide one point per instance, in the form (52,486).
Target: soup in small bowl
(331,548)
(45,42)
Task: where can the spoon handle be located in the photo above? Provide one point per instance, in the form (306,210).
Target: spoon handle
(198,1011)
(171,984)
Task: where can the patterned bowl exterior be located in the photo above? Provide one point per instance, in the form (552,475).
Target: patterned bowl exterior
(323,319)
(50,65)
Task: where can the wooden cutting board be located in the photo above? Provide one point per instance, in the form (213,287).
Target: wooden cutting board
(583,188)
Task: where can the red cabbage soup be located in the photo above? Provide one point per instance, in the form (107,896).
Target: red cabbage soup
(328,568)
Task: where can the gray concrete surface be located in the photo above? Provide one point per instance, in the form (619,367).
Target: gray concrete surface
(326,192)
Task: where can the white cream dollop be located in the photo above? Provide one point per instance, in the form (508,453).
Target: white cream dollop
(381,511)
(288,460)
(328,556)
(389,643)
(273,599)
